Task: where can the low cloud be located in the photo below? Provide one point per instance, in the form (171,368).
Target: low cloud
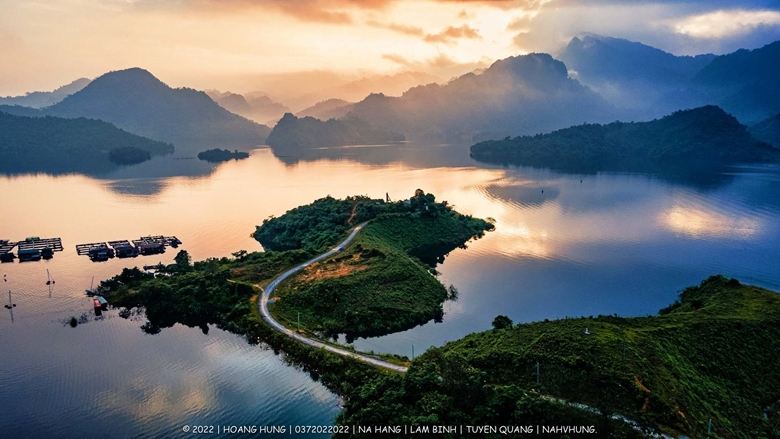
(400,28)
(452,33)
(726,23)
(321,11)
(440,65)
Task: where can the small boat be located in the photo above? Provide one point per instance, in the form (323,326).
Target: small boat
(103,302)
(91,291)
(49,280)
(98,307)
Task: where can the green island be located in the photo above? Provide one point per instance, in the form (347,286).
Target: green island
(294,133)
(217,155)
(711,355)
(700,139)
(53,144)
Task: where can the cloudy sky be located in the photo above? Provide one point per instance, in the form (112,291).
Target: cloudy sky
(234,44)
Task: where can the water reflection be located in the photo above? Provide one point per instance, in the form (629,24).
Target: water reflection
(564,245)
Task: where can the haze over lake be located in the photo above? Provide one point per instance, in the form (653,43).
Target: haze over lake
(564,245)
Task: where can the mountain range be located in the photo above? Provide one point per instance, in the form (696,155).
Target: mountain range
(40,99)
(645,82)
(327,109)
(255,106)
(518,95)
(136,101)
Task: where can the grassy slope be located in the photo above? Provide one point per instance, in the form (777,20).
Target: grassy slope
(713,356)
(378,285)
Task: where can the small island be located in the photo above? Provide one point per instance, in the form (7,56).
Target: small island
(217,155)
(294,133)
(701,139)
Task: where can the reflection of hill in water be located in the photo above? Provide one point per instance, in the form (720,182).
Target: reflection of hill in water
(418,155)
(414,155)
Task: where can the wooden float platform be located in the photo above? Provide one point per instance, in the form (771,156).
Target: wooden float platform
(83,249)
(6,246)
(41,243)
(115,244)
(170,241)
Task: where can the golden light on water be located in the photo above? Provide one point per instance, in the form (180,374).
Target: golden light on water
(699,222)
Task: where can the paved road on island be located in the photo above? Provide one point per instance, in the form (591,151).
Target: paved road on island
(263,305)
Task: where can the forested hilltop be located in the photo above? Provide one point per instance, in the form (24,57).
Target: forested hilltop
(381,283)
(709,355)
(704,138)
(768,130)
(52,144)
(292,132)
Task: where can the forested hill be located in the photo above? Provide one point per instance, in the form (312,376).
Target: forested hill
(52,144)
(712,355)
(768,130)
(136,101)
(307,132)
(700,138)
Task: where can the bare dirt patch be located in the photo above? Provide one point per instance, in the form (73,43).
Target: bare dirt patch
(316,272)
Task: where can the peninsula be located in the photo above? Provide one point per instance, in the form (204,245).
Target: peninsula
(358,266)
(704,138)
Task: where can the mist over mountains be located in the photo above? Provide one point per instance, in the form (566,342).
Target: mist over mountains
(253,106)
(40,99)
(135,101)
(645,82)
(517,95)
(597,80)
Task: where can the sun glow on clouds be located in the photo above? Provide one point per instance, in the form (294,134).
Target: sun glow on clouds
(722,24)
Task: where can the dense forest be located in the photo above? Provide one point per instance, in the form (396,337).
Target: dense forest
(381,283)
(52,144)
(221,155)
(711,355)
(307,132)
(704,138)
(768,130)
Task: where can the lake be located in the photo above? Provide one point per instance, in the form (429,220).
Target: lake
(564,245)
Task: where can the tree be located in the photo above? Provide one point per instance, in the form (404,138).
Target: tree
(240,255)
(183,260)
(502,322)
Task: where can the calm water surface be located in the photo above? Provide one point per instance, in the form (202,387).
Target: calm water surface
(564,245)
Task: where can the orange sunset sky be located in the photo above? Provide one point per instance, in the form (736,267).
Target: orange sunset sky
(245,45)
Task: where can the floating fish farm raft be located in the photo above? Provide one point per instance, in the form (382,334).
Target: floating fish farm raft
(31,249)
(145,245)
(41,243)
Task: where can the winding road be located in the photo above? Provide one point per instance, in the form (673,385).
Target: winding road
(263,305)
